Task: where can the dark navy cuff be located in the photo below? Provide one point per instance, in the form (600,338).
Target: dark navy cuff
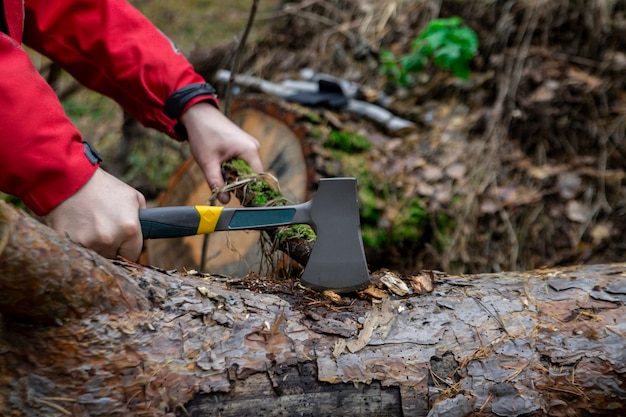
(177,101)
(92,154)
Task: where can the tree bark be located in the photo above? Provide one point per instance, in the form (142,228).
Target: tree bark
(83,336)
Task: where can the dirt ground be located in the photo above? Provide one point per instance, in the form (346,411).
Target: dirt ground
(521,166)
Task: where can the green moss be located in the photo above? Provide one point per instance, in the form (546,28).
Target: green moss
(14,201)
(296,231)
(257,191)
(369,205)
(407,229)
(445,225)
(264,195)
(374,237)
(313,118)
(347,142)
(408,226)
(239,166)
(316,133)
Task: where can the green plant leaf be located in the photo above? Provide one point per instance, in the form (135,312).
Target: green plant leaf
(447,55)
(428,44)
(387,57)
(468,40)
(461,70)
(413,63)
(449,43)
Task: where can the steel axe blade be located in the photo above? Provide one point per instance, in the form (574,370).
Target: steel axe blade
(337,261)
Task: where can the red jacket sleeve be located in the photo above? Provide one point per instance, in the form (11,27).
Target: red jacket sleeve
(109,47)
(112,48)
(42,158)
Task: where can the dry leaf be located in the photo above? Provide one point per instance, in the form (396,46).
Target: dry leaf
(577,211)
(456,171)
(544,172)
(544,93)
(424,189)
(339,347)
(568,184)
(577,75)
(432,173)
(489,206)
(600,233)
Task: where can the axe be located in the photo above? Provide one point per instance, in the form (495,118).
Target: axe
(337,261)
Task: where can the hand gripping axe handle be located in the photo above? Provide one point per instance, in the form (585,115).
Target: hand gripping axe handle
(337,261)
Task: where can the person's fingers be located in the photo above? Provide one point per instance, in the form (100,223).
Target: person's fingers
(104,244)
(132,246)
(213,174)
(215,139)
(102,216)
(255,162)
(141,200)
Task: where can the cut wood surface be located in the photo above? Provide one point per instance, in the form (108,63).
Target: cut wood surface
(83,336)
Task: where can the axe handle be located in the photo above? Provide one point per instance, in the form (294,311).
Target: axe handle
(179,221)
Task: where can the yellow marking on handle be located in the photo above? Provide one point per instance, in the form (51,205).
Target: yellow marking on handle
(208,218)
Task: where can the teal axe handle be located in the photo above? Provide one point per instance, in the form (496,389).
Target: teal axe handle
(180,221)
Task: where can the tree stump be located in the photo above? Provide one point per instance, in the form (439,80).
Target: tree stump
(84,336)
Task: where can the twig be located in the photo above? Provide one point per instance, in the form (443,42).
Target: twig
(494,314)
(228,96)
(51,404)
(237,57)
(290,9)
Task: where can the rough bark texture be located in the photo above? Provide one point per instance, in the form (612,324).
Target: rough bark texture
(135,341)
(46,278)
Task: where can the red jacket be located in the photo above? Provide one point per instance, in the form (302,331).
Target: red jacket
(109,47)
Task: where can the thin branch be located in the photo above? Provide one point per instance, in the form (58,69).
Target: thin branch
(237,57)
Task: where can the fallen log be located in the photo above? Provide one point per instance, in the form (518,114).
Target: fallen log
(137,341)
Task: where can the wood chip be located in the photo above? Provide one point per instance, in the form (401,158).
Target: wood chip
(204,291)
(340,346)
(381,316)
(394,283)
(332,296)
(372,292)
(423,283)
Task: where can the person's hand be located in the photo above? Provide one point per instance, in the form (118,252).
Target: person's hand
(104,216)
(214,139)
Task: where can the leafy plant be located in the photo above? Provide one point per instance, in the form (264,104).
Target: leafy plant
(449,43)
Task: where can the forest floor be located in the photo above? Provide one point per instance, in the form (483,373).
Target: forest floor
(519,167)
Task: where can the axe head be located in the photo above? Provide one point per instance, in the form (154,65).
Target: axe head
(337,261)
